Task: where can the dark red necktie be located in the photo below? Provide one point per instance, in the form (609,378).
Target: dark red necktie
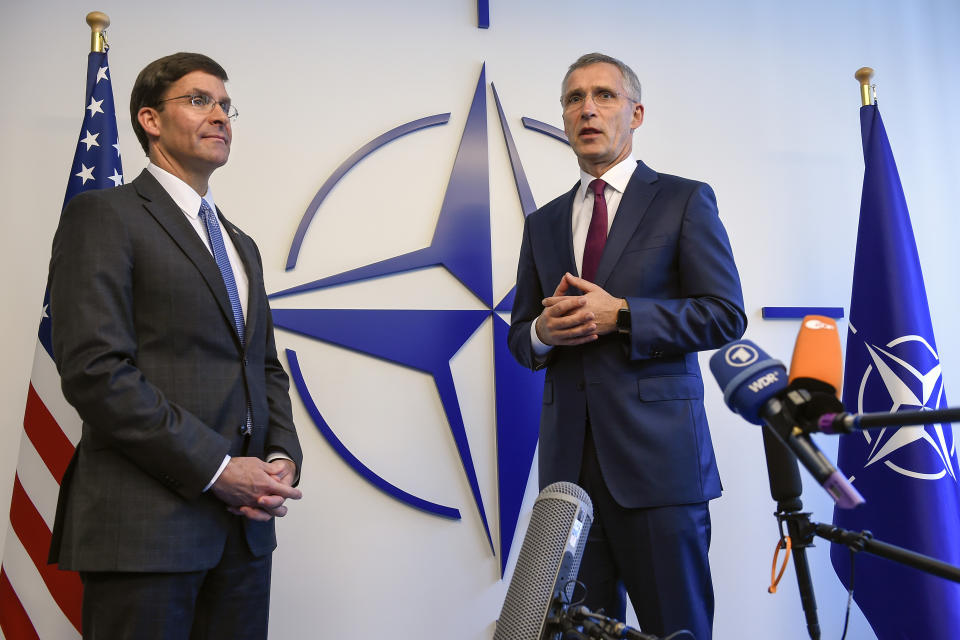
(596,234)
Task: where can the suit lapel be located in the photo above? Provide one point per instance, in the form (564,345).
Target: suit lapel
(636,199)
(166,212)
(561,231)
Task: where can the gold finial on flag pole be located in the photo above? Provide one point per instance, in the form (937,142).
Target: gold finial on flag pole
(98,22)
(864,75)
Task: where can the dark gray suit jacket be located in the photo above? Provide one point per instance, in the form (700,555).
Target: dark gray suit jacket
(668,254)
(144,340)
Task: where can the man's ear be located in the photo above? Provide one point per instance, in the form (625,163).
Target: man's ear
(637,119)
(149,119)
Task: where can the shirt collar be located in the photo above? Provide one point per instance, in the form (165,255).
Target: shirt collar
(183,194)
(617,176)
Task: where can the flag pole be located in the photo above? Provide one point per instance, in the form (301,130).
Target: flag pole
(864,75)
(98,22)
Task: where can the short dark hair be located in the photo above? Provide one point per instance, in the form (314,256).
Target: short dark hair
(629,77)
(156,78)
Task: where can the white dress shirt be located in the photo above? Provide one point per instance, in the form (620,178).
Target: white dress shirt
(617,177)
(189,202)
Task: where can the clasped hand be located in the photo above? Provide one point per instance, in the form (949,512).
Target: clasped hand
(256,489)
(569,320)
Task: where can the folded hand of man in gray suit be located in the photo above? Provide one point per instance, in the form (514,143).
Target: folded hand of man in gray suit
(256,489)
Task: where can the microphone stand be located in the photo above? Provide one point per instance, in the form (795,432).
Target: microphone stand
(864,541)
(796,522)
(785,487)
(802,531)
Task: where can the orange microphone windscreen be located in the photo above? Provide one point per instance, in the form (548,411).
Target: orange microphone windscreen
(817,355)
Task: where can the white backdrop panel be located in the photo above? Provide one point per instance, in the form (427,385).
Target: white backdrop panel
(756,98)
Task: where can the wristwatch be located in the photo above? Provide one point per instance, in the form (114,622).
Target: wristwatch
(623,320)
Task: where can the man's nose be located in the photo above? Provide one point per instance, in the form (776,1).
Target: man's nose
(589,107)
(217,114)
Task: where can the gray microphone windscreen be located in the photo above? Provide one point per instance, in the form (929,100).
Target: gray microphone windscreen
(548,562)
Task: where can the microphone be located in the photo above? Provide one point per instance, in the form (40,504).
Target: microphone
(817,358)
(817,367)
(547,566)
(755,386)
(783,472)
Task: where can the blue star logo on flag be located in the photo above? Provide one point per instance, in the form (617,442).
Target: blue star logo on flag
(905,374)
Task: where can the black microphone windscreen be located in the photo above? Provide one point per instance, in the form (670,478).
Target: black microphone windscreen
(548,563)
(783,472)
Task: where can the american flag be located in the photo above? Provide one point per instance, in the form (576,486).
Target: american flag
(38,600)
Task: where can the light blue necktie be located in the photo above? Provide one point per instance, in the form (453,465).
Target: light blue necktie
(220,255)
(223,261)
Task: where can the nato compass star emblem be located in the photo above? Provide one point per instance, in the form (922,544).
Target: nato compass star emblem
(905,374)
(426,340)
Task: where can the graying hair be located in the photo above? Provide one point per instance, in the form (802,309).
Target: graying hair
(629,77)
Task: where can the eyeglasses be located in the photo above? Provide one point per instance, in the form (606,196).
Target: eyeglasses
(204,103)
(600,97)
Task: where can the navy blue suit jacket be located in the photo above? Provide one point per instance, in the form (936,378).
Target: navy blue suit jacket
(668,254)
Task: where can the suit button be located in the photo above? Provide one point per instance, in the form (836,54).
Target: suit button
(581,386)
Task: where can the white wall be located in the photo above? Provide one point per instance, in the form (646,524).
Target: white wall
(756,98)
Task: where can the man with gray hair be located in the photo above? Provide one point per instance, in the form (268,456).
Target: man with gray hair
(621,281)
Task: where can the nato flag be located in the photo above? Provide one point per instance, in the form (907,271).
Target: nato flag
(908,475)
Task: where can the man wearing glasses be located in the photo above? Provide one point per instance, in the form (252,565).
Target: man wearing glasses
(623,412)
(164,340)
